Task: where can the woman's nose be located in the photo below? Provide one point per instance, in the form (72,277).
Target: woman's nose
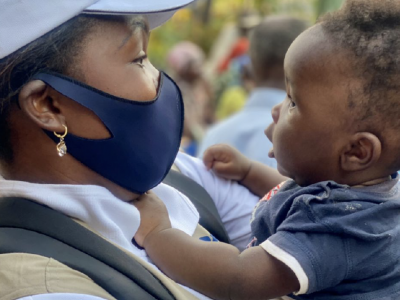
(156,79)
(154,74)
(276,110)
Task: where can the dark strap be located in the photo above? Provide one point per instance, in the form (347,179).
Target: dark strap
(28,227)
(209,216)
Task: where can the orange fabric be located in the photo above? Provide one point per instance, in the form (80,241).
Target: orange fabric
(239,48)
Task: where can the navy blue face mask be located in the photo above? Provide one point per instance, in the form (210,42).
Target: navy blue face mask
(145,136)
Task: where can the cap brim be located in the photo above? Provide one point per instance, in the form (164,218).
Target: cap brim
(156,11)
(21,22)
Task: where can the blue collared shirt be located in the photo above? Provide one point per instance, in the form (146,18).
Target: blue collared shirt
(245,129)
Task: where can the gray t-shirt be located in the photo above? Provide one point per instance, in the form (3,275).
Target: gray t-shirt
(341,242)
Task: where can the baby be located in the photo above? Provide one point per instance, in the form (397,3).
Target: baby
(332,230)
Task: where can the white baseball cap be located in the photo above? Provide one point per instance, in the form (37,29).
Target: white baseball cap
(23,21)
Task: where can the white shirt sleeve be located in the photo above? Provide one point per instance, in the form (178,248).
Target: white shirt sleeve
(63,296)
(234,202)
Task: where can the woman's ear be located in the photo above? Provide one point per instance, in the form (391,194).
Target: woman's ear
(42,106)
(363,151)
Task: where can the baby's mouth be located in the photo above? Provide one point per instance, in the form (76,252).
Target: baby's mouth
(271,153)
(269,131)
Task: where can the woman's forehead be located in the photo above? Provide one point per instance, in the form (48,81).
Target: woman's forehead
(132,22)
(138,21)
(117,31)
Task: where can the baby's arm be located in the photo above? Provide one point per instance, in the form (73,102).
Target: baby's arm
(229,163)
(216,269)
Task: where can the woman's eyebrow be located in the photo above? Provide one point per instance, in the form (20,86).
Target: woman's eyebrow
(135,24)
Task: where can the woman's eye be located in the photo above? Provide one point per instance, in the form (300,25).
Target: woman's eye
(140,60)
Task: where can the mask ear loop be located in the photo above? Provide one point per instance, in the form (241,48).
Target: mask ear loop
(61,146)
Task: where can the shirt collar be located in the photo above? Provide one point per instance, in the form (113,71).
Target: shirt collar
(112,218)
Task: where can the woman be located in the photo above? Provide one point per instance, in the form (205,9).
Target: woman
(87,126)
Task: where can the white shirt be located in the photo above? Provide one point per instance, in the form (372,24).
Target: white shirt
(118,221)
(234,202)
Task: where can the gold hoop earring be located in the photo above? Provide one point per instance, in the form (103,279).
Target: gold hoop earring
(61,146)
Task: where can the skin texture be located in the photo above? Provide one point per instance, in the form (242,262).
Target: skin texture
(110,61)
(315,138)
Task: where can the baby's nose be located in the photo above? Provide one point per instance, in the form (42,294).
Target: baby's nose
(275,112)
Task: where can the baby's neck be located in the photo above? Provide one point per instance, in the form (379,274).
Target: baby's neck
(373,182)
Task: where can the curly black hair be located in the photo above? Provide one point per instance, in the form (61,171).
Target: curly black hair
(370,30)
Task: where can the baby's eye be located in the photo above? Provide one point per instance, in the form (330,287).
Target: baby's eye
(291,103)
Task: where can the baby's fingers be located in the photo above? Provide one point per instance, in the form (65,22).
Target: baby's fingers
(208,159)
(153,216)
(148,199)
(216,153)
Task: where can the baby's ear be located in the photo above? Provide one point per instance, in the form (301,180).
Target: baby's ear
(363,151)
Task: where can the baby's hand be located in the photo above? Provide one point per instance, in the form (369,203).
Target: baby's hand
(227,162)
(153,216)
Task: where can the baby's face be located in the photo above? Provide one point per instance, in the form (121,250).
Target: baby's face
(311,125)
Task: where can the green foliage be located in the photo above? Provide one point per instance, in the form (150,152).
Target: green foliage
(323,6)
(185,25)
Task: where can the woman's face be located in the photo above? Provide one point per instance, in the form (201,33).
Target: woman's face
(113,60)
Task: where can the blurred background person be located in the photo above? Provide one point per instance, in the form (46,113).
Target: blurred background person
(234,97)
(232,71)
(185,61)
(247,20)
(269,42)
